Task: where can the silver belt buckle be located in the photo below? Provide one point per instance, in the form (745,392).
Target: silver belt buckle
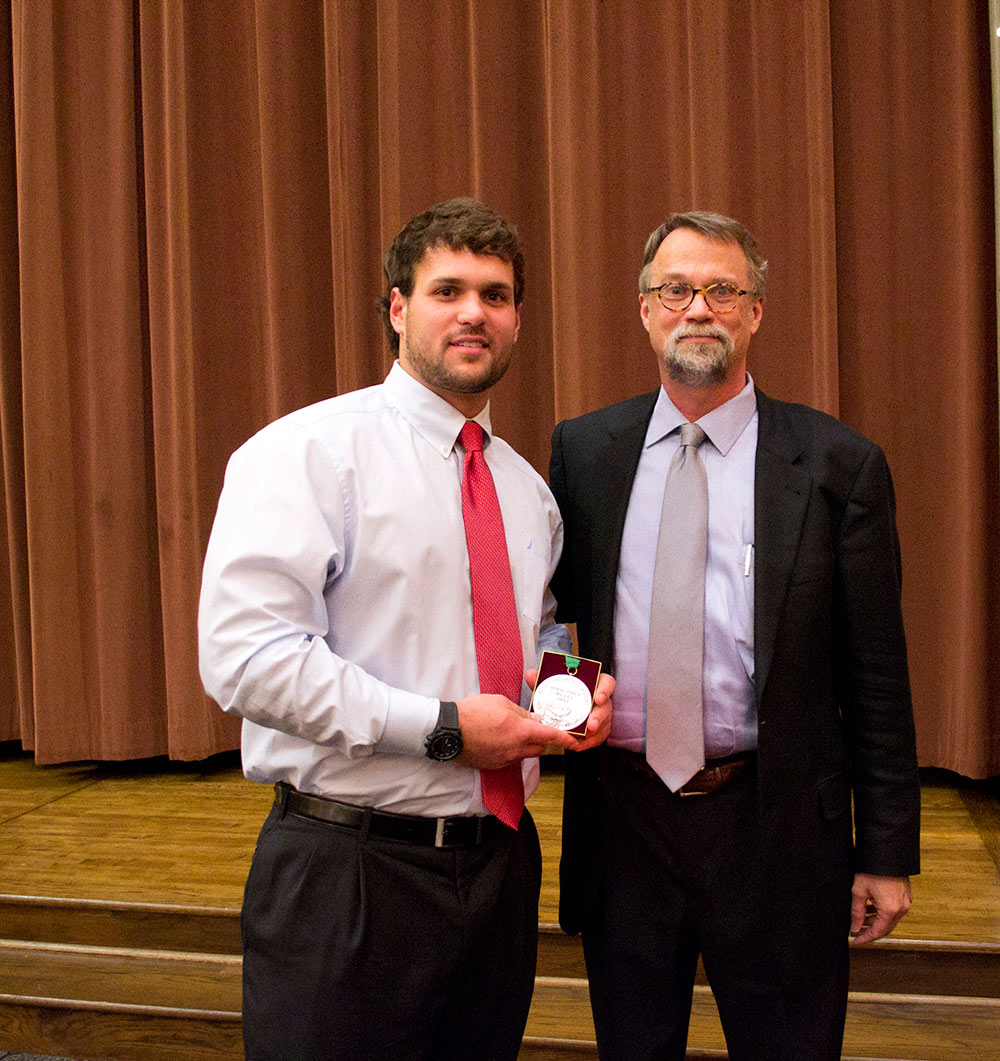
(439,832)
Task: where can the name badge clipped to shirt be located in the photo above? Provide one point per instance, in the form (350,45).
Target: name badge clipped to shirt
(564,691)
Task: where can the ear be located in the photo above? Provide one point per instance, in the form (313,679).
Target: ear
(644,311)
(756,313)
(517,323)
(397,311)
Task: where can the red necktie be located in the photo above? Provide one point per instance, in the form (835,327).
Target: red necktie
(494,613)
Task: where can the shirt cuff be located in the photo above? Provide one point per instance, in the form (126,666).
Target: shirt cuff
(555,638)
(407,722)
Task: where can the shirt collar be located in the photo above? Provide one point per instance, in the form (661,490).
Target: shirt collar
(723,425)
(428,413)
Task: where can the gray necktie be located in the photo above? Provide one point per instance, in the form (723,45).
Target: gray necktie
(675,740)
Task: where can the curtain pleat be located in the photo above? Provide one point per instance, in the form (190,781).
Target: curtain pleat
(194,199)
(92,567)
(16,718)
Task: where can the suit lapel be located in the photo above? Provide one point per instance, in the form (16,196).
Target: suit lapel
(781,496)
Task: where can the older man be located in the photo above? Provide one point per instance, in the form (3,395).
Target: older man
(736,559)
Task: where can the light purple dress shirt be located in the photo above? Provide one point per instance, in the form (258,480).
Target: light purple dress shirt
(728,455)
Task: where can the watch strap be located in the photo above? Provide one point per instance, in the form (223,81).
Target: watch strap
(448,715)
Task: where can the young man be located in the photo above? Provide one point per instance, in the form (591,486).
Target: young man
(375,584)
(749,601)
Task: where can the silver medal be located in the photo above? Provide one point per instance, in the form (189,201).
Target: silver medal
(562,701)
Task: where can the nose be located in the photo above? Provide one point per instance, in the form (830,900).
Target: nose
(470,309)
(699,308)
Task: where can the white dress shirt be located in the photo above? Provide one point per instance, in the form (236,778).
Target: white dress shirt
(336,607)
(728,454)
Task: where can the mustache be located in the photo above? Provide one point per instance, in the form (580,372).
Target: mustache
(712,331)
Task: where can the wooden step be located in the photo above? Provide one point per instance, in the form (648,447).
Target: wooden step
(104,1032)
(927,967)
(108,1003)
(102,1002)
(168,979)
(921,1027)
(906,966)
(98,923)
(897,964)
(897,1027)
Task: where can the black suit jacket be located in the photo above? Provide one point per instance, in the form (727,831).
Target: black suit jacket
(831,680)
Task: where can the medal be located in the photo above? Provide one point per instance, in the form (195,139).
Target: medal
(562,701)
(564,691)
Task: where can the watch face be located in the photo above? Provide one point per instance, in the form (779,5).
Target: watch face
(446,746)
(562,701)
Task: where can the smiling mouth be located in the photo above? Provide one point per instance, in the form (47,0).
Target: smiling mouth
(470,342)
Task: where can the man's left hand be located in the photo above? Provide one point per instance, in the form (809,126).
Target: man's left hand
(877,906)
(599,723)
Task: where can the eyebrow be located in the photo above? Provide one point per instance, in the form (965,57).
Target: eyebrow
(454,281)
(720,279)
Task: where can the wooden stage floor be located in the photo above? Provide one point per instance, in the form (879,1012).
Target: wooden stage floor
(120,886)
(173,833)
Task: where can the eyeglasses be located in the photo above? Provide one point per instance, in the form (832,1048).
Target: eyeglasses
(676,296)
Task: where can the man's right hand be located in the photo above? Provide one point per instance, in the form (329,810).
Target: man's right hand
(496,732)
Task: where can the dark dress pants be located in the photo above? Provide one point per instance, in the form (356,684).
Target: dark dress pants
(358,949)
(682,878)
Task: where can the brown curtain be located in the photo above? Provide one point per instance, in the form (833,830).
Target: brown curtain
(194,198)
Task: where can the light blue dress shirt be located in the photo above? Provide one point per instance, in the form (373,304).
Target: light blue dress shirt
(728,455)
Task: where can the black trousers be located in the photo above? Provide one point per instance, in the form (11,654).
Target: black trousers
(358,949)
(682,878)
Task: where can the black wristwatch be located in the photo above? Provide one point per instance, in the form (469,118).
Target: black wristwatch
(444,742)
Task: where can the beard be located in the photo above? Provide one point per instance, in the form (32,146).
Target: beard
(436,373)
(700,365)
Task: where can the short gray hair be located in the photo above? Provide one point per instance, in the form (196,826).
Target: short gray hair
(716,227)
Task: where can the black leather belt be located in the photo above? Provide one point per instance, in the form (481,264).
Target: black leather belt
(409,828)
(714,774)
